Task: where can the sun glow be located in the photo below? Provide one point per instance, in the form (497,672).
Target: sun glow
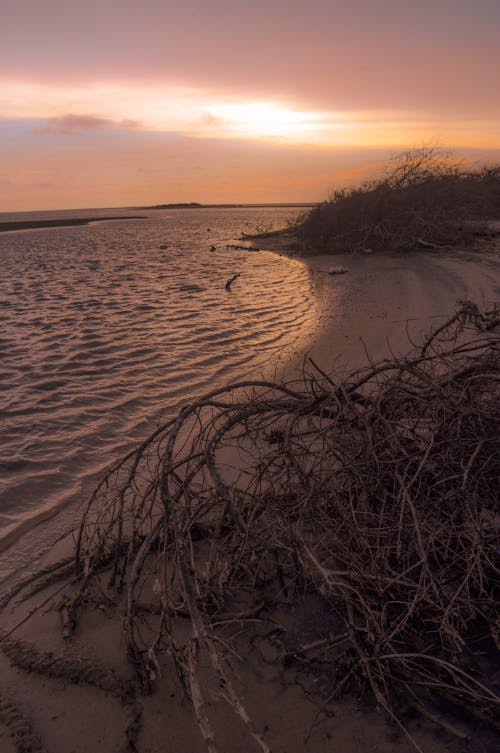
(265,119)
(165,108)
(201,114)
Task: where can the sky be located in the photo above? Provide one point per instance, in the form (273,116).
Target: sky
(118,103)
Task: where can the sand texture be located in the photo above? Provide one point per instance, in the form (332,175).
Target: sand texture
(79,694)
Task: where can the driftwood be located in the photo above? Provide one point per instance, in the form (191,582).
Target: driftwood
(376,494)
(231,280)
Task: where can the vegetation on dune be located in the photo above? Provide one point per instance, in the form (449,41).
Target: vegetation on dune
(425,198)
(371,498)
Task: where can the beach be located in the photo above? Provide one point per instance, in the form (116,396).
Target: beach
(250,377)
(77,693)
(396,298)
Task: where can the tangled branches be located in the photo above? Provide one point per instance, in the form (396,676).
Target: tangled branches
(376,494)
(425,199)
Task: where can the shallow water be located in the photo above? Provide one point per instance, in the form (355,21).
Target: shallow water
(104,334)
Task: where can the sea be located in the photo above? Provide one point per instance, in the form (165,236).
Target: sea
(107,329)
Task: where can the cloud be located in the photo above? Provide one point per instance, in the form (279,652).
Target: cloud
(98,107)
(208,119)
(70,124)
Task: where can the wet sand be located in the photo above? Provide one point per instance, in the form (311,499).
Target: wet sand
(383,303)
(372,310)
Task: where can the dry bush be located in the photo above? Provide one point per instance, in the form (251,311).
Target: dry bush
(378,493)
(424,199)
(374,495)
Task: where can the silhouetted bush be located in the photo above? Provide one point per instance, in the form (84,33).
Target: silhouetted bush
(424,199)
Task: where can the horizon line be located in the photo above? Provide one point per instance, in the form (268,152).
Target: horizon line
(172,205)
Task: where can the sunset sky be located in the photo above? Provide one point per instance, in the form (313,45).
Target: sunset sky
(120,103)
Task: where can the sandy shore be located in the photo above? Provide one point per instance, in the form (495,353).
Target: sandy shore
(383,302)
(76,698)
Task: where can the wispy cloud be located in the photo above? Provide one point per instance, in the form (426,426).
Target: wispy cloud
(70,110)
(70,124)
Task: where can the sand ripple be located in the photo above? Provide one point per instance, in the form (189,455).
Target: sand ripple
(103,334)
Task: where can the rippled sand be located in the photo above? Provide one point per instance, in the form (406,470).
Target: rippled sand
(104,333)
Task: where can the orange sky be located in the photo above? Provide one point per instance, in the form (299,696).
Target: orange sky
(120,103)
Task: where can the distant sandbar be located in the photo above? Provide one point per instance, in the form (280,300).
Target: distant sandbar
(35,224)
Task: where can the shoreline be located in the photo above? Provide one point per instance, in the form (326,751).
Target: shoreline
(6,227)
(365,312)
(355,324)
(384,301)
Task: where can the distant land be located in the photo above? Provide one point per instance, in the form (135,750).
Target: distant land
(36,224)
(76,221)
(196,205)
